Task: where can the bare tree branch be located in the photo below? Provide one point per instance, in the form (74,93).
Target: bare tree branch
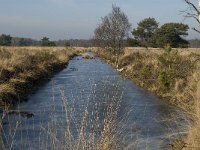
(196,30)
(195,13)
(192,5)
(113,29)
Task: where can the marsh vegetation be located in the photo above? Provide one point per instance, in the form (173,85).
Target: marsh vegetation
(23,68)
(172,74)
(88,105)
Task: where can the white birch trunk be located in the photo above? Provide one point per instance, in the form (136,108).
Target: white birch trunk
(199,11)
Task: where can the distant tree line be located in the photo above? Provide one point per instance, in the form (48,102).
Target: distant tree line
(16,41)
(46,42)
(76,43)
(148,33)
(7,40)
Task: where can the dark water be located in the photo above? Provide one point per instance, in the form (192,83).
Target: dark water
(148,123)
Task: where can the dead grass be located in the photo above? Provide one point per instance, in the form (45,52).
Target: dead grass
(142,66)
(139,66)
(22,68)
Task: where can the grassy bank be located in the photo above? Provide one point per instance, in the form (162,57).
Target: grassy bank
(22,69)
(172,74)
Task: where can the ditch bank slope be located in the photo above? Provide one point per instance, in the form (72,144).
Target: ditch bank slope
(172,74)
(22,69)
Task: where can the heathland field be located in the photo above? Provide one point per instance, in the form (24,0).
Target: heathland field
(172,74)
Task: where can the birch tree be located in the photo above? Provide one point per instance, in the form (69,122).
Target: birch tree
(112,31)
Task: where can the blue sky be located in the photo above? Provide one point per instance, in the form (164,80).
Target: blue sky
(65,19)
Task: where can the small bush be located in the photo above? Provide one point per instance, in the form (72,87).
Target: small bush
(169,58)
(168,66)
(164,80)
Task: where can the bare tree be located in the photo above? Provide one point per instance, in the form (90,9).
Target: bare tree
(113,30)
(193,12)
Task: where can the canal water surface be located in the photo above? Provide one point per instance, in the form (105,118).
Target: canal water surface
(90,88)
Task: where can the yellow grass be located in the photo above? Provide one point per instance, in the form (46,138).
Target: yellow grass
(182,51)
(185,92)
(22,67)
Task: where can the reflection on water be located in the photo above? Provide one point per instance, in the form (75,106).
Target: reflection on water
(92,85)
